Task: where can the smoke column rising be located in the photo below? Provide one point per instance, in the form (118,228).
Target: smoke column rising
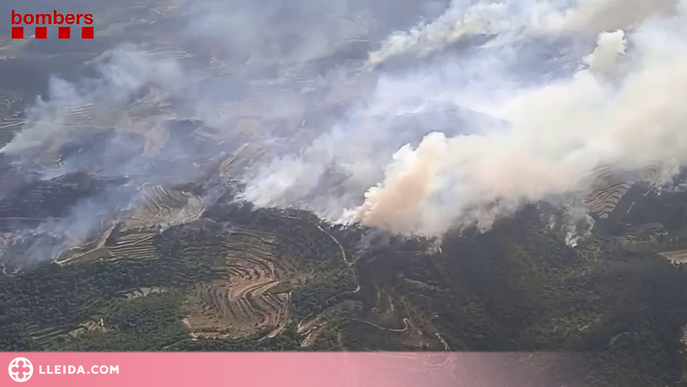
(544,94)
(623,106)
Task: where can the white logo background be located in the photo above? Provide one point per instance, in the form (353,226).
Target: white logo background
(20,369)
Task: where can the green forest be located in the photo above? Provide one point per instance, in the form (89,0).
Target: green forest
(514,288)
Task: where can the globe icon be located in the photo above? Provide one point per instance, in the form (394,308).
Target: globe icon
(20,369)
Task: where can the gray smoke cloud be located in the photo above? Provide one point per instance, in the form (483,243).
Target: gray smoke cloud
(619,107)
(117,83)
(413,119)
(246,70)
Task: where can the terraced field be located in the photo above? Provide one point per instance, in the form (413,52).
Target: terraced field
(678,257)
(261,278)
(239,161)
(165,207)
(251,292)
(134,245)
(132,237)
(245,303)
(83,115)
(608,185)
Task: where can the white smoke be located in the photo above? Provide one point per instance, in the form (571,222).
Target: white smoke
(558,131)
(547,94)
(596,16)
(463,20)
(129,69)
(603,61)
(455,24)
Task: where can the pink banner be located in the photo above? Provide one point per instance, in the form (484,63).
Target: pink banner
(279,369)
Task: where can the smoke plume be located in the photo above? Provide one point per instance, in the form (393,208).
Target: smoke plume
(556,132)
(405,119)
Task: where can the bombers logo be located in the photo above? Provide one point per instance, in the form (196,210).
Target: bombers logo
(42,20)
(20,369)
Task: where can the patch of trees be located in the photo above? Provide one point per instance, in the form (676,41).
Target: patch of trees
(54,299)
(314,297)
